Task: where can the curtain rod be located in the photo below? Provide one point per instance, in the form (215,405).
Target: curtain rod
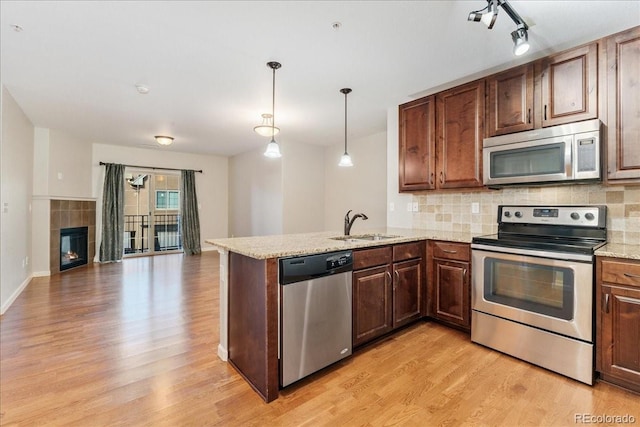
(154,168)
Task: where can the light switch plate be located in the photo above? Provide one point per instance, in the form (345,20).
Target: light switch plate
(392,207)
(475,207)
(409,206)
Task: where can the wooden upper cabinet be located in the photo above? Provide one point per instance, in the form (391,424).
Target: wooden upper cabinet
(570,86)
(417,145)
(623,78)
(510,103)
(460,129)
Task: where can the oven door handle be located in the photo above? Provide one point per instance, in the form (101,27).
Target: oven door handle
(562,256)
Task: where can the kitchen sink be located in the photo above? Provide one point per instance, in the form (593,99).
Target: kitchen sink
(364,237)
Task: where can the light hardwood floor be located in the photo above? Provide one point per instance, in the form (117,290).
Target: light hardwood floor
(134,343)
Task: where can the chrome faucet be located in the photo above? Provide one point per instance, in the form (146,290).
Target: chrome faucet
(348,223)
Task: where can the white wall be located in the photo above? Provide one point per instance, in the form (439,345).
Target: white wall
(16,171)
(211,185)
(361,188)
(399,216)
(255,195)
(303,187)
(69,166)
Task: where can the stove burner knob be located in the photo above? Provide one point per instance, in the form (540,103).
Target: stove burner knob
(518,214)
(575,215)
(507,214)
(589,216)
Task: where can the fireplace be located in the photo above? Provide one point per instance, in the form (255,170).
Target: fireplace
(73,247)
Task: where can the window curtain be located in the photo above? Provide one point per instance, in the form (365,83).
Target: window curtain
(112,244)
(190,226)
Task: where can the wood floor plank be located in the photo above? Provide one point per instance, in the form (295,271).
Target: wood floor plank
(135,344)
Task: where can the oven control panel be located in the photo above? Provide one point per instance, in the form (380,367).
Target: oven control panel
(585,216)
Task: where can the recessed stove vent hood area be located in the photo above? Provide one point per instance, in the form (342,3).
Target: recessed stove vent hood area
(568,153)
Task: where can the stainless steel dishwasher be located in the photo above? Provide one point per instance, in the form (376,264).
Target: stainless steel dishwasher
(315,313)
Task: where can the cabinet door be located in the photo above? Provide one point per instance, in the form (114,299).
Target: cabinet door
(620,343)
(417,145)
(450,293)
(510,102)
(371,304)
(460,130)
(407,279)
(570,86)
(623,76)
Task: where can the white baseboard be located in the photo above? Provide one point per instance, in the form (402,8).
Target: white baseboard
(15,295)
(41,273)
(223,353)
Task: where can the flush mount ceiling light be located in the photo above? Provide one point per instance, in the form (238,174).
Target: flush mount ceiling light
(266,128)
(273,149)
(488,16)
(345,160)
(164,140)
(142,89)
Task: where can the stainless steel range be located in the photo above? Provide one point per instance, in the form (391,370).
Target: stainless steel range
(533,286)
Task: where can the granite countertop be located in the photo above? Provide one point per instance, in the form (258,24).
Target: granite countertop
(264,247)
(617,250)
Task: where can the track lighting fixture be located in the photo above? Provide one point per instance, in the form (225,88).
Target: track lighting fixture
(488,17)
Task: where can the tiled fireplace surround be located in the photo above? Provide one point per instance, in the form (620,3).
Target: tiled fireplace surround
(70,213)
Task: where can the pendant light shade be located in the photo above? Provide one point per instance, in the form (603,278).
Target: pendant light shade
(273,150)
(345,160)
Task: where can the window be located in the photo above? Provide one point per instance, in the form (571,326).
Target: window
(168,199)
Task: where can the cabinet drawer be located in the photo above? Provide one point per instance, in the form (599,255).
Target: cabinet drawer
(448,250)
(621,272)
(407,251)
(366,258)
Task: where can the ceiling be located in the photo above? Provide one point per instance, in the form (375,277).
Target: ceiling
(75,64)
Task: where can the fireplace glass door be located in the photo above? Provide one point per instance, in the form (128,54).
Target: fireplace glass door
(151,213)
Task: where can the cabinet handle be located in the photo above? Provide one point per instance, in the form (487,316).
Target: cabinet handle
(441,177)
(449,251)
(632,276)
(431,178)
(545,112)
(529,116)
(389,276)
(605,308)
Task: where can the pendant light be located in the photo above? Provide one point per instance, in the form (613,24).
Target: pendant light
(345,160)
(273,149)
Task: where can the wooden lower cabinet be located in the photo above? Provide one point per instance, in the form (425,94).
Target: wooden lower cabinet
(448,285)
(371,303)
(388,287)
(618,321)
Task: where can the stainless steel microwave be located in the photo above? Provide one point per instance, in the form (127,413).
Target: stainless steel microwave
(555,154)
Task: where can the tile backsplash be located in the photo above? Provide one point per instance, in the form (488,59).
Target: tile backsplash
(452,211)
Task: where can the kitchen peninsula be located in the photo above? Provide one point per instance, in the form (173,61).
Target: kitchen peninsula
(249,292)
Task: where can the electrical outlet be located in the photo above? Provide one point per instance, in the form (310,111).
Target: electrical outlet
(26,261)
(415,207)
(60,176)
(409,207)
(475,207)
(392,207)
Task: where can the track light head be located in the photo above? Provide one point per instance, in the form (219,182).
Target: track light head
(520,41)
